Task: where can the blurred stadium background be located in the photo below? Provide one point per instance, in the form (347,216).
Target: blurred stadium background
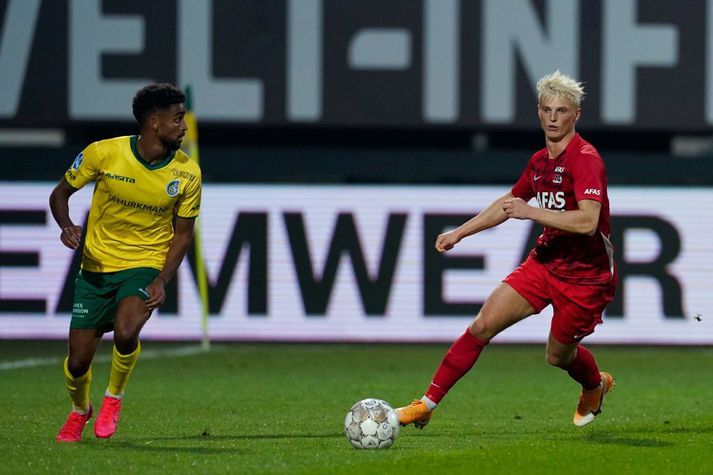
(338,138)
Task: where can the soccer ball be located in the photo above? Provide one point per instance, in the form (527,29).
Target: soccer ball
(371,424)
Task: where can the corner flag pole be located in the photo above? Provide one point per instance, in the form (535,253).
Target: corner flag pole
(191,147)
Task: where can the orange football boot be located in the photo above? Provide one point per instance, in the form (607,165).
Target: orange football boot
(590,402)
(417,413)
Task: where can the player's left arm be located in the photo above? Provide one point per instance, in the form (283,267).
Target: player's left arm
(584,220)
(182,238)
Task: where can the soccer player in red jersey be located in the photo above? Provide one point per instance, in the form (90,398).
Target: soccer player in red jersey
(571,266)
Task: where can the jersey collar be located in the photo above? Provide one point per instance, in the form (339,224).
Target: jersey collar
(575,143)
(134,139)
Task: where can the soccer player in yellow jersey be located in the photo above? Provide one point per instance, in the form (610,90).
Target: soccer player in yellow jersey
(146,199)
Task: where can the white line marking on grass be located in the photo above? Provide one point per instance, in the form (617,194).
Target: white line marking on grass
(29,363)
(148,354)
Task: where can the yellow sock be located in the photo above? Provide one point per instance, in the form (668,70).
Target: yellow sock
(78,387)
(121,366)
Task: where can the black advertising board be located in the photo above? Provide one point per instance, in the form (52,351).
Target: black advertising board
(461,64)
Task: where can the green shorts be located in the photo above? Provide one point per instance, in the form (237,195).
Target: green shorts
(97,295)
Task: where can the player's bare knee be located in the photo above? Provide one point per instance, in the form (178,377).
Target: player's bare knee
(77,367)
(481,329)
(126,346)
(557,360)
(126,338)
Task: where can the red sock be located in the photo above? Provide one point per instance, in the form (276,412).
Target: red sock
(458,360)
(584,370)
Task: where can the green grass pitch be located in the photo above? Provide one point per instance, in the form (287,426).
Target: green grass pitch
(279,408)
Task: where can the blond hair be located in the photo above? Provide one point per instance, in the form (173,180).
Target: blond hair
(561,86)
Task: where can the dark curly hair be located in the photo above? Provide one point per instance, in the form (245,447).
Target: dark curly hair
(154,97)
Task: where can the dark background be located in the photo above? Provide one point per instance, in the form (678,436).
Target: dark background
(371,128)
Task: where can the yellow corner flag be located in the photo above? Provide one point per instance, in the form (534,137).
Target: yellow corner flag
(190,146)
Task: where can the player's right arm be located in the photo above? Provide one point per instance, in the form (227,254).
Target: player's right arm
(59,204)
(490,217)
(84,169)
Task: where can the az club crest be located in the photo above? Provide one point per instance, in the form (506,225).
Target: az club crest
(77,161)
(173,187)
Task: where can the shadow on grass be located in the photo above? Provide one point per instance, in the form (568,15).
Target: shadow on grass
(667,430)
(158,444)
(148,447)
(212,437)
(627,435)
(607,438)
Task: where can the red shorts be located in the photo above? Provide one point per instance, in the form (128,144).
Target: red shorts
(577,307)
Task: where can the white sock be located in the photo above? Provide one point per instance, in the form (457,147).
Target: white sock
(108,394)
(429,404)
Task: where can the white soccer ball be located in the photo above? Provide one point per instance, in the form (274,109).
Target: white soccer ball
(371,424)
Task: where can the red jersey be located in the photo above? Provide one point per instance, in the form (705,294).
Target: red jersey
(578,173)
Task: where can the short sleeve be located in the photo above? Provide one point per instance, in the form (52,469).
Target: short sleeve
(588,177)
(523,186)
(85,167)
(189,204)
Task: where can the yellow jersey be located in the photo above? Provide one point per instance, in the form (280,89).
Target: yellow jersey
(131,216)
